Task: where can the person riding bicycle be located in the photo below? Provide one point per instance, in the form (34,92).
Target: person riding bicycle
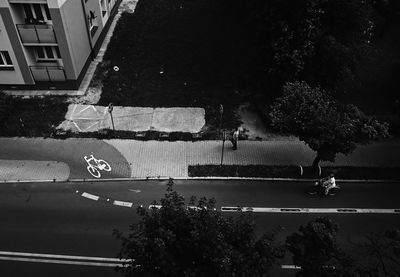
(328,183)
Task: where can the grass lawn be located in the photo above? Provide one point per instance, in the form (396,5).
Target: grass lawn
(175,53)
(34,117)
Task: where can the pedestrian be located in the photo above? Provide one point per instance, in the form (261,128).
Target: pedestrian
(235,138)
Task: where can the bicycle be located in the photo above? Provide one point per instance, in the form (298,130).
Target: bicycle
(99,164)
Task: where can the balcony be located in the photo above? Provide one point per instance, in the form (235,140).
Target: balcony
(36,34)
(48,73)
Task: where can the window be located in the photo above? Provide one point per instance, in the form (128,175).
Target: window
(47,11)
(5,61)
(103,8)
(36,13)
(92,23)
(47,53)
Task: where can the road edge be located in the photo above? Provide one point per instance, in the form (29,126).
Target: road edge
(163,178)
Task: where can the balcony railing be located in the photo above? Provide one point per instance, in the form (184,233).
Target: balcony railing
(48,73)
(36,33)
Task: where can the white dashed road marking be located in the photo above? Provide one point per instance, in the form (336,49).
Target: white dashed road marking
(290,266)
(261,209)
(90,196)
(310,210)
(123,204)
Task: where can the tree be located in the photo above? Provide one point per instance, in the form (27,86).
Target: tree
(324,124)
(380,254)
(320,41)
(177,241)
(316,251)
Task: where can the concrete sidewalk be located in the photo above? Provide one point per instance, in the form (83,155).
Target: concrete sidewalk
(29,159)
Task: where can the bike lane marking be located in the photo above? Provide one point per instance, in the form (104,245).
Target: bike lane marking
(99,165)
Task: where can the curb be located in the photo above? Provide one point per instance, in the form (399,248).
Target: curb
(164,178)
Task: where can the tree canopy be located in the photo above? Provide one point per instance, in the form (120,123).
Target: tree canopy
(316,251)
(320,41)
(324,124)
(380,254)
(176,241)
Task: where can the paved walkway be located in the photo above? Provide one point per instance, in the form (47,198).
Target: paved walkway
(38,158)
(33,170)
(155,158)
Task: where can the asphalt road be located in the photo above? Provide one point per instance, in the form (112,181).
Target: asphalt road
(55,218)
(70,151)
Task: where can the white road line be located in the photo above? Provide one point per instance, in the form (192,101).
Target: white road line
(123,203)
(309,210)
(155,206)
(62,259)
(295,267)
(67,257)
(38,260)
(90,196)
(290,266)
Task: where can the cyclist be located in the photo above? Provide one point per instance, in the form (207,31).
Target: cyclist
(328,183)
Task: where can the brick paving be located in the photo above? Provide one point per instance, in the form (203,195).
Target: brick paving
(36,159)
(161,158)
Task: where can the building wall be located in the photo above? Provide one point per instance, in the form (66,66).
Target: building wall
(9,77)
(72,36)
(70,23)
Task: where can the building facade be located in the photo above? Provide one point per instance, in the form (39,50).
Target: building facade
(50,43)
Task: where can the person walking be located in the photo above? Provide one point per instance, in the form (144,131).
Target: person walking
(235,138)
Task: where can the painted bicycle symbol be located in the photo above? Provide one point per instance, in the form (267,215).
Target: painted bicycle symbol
(96,165)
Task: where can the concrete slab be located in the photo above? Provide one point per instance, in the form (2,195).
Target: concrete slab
(178,119)
(90,118)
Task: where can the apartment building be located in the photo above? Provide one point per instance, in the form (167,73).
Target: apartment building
(50,43)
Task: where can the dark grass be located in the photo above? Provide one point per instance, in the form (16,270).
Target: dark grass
(34,117)
(206,54)
(376,86)
(209,55)
(341,172)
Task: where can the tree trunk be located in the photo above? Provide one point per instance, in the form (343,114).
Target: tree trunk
(315,163)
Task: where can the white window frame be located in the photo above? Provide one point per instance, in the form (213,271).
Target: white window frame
(5,60)
(42,8)
(46,58)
